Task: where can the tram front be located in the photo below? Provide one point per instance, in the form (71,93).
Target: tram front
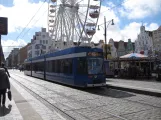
(95,67)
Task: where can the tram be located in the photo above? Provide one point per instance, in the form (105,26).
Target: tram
(76,66)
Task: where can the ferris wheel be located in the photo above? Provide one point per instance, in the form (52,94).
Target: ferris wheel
(72,22)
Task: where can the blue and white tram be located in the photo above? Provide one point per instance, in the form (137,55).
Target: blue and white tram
(77,66)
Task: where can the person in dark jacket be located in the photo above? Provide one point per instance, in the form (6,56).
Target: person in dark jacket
(6,70)
(4,85)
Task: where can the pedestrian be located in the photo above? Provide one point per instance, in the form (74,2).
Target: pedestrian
(6,70)
(4,85)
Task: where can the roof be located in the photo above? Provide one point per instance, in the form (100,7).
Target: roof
(116,44)
(133,55)
(67,51)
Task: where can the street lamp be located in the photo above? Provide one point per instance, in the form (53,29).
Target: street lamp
(105,34)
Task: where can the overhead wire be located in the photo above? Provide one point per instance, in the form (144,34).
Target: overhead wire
(34,24)
(31,19)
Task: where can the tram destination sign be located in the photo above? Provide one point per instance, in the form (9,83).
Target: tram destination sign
(3,26)
(95,54)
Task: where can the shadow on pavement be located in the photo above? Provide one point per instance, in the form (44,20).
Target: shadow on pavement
(4,110)
(104,91)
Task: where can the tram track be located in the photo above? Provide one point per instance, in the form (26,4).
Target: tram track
(53,107)
(79,101)
(44,101)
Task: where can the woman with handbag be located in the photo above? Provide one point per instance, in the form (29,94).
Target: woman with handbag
(4,85)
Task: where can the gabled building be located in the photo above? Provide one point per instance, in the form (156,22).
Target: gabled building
(144,41)
(40,44)
(121,48)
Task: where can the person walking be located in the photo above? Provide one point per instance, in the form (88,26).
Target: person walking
(4,85)
(6,70)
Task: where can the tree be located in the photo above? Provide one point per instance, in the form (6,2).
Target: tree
(108,47)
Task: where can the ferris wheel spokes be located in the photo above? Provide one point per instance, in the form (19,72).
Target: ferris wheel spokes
(71,21)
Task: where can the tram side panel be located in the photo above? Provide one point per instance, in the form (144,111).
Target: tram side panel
(38,69)
(60,71)
(28,69)
(80,72)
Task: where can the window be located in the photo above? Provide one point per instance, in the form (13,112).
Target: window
(43,47)
(95,65)
(37,47)
(82,66)
(36,52)
(28,67)
(46,41)
(49,67)
(38,67)
(40,41)
(68,66)
(43,36)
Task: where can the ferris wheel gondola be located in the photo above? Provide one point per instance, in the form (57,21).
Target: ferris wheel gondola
(72,21)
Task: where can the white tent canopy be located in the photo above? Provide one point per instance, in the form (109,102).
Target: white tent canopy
(134,55)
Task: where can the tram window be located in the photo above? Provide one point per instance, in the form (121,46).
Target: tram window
(61,66)
(57,66)
(38,66)
(41,66)
(53,66)
(82,66)
(27,67)
(34,67)
(67,66)
(49,66)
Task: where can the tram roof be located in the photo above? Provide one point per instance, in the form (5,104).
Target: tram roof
(72,50)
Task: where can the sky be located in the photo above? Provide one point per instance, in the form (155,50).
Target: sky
(128,16)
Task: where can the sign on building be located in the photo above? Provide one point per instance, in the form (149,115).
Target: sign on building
(3,26)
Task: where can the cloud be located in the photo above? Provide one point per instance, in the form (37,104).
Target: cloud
(131,30)
(8,45)
(136,9)
(23,10)
(152,26)
(21,13)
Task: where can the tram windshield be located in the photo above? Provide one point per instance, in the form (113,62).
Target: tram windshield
(95,65)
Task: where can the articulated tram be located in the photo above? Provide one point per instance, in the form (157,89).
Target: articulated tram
(76,66)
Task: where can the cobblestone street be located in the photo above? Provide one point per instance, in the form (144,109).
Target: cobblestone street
(49,101)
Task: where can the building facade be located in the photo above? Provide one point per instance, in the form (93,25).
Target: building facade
(12,59)
(144,42)
(157,41)
(22,55)
(113,48)
(40,44)
(121,48)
